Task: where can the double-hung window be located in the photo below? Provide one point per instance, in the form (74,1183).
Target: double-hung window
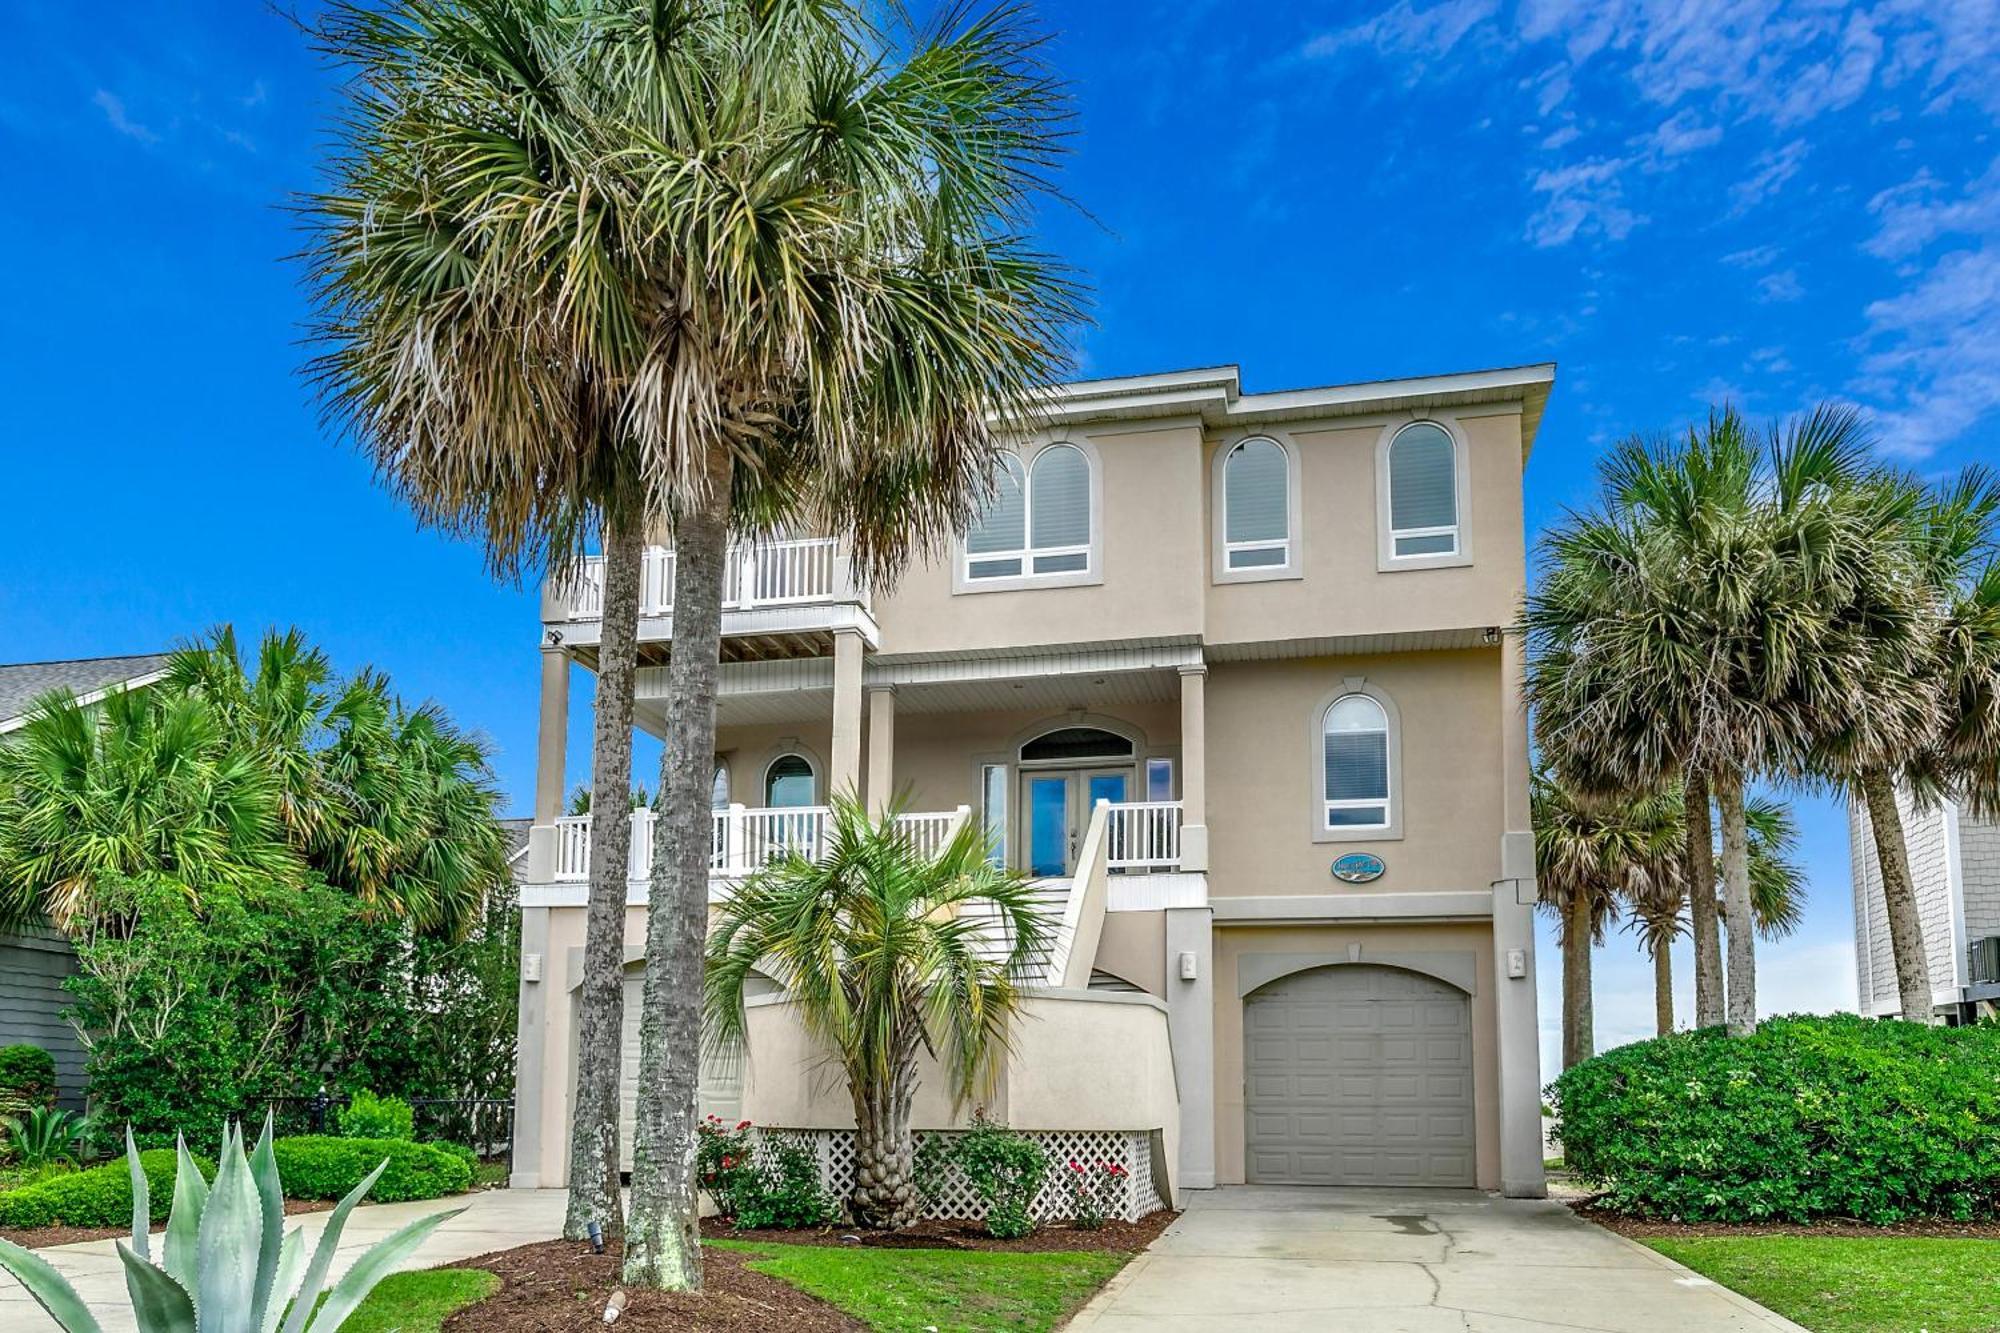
(1037,522)
(1423,492)
(1356,776)
(1256,506)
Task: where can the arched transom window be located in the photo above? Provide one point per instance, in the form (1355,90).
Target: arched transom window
(1256,504)
(1037,522)
(788,782)
(1356,777)
(1423,491)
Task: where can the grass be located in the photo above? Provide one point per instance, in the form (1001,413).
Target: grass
(418,1302)
(952,1291)
(1844,1284)
(489,1175)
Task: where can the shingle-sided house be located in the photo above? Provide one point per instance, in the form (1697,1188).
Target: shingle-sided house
(1955,867)
(1228,675)
(34,962)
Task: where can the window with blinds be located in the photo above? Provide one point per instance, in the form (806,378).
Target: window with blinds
(1356,772)
(1037,521)
(1256,501)
(1423,491)
(788,782)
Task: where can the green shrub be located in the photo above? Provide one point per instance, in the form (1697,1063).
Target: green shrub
(27,1079)
(320,1167)
(98,1197)
(784,1188)
(1806,1118)
(460,1151)
(367,1116)
(1007,1170)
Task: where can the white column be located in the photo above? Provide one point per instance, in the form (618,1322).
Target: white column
(1521,1172)
(845,779)
(1191,1033)
(881,748)
(1194,768)
(551,751)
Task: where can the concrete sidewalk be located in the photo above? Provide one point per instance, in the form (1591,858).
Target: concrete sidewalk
(1413,1261)
(492,1220)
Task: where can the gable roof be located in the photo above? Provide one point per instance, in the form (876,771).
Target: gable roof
(88,678)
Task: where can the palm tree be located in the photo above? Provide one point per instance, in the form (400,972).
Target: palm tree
(1932,725)
(491,339)
(1697,628)
(886,954)
(1593,857)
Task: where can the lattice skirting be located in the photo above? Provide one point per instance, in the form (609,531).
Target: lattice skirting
(1131,1149)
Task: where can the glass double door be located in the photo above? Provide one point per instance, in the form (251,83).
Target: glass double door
(1055,811)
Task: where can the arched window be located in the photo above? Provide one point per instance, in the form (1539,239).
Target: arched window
(1356,777)
(718,787)
(1256,506)
(1037,521)
(1076,743)
(1423,491)
(788,782)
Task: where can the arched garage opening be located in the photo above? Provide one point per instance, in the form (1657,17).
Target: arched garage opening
(1357,1074)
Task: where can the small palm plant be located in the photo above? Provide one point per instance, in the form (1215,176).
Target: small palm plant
(887,953)
(42,1136)
(227,1263)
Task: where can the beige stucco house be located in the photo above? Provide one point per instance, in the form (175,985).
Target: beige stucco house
(1229,674)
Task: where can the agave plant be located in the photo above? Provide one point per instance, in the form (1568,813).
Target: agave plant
(42,1136)
(227,1264)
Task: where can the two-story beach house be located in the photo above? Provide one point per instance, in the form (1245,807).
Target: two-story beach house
(1229,675)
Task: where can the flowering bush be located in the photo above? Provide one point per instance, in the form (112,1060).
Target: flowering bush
(1006,1169)
(782,1191)
(1096,1192)
(725,1162)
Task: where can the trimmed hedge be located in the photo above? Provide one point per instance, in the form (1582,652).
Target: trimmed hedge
(100,1196)
(1806,1118)
(27,1079)
(321,1167)
(367,1116)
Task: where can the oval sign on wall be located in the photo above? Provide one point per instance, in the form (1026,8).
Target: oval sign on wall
(1358,868)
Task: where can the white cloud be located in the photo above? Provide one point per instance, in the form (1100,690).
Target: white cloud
(113,108)
(1780,286)
(1918,211)
(1584,198)
(1557,138)
(1935,358)
(1757,256)
(1405,30)
(1769,173)
(1683,132)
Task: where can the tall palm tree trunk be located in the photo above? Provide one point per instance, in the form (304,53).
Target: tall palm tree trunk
(1708,997)
(885,1192)
(1579,1022)
(593,1140)
(663,1239)
(1663,988)
(1899,896)
(1742,1008)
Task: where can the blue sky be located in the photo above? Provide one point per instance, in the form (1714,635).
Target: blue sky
(1678,202)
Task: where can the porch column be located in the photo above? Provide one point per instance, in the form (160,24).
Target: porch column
(1191,1033)
(845,779)
(881,748)
(1521,1173)
(551,751)
(1194,767)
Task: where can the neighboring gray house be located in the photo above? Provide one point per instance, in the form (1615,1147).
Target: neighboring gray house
(35,962)
(1955,863)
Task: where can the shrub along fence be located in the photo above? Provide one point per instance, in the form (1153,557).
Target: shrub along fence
(483,1124)
(1805,1118)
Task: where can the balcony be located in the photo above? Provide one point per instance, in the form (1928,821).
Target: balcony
(741,839)
(781,598)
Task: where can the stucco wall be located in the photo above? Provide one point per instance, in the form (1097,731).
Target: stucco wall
(1133,948)
(1455,947)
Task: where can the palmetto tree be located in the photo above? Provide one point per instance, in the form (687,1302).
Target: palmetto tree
(757,261)
(886,954)
(1702,627)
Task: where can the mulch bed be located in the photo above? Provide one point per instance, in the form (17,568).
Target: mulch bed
(559,1286)
(1653,1229)
(36,1238)
(961,1234)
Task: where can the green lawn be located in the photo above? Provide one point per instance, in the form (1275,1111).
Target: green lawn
(418,1302)
(953,1291)
(1841,1284)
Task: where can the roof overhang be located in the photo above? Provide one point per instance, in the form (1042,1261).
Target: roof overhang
(1215,395)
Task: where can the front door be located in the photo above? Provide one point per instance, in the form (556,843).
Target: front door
(1056,808)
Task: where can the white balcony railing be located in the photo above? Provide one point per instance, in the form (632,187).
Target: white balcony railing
(794,572)
(740,840)
(1143,835)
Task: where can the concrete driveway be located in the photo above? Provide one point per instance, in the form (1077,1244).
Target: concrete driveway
(494,1220)
(1271,1258)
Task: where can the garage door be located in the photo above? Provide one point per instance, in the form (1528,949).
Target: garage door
(721,1087)
(1358,1075)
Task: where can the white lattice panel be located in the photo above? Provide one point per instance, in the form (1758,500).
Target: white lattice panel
(1131,1149)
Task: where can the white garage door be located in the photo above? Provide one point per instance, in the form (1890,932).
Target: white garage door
(721,1090)
(1358,1075)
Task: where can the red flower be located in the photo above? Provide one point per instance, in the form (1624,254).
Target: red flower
(728,1162)
(743,1124)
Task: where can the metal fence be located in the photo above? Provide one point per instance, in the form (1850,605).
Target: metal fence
(483,1124)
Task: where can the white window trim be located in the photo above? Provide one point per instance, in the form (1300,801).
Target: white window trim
(1294,566)
(1092,572)
(1386,559)
(790,750)
(1392,831)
